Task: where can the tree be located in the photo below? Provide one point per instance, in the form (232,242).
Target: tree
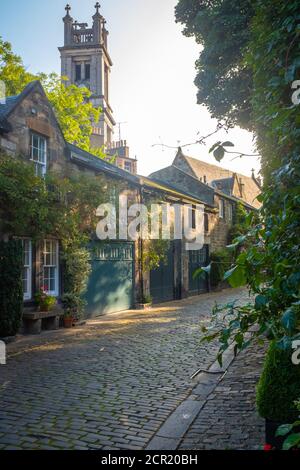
(70,103)
(268,49)
(12,70)
(224,79)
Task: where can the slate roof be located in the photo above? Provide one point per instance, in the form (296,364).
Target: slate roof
(216,175)
(225,185)
(10,104)
(87,159)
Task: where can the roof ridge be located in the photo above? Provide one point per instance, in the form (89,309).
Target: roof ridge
(215,166)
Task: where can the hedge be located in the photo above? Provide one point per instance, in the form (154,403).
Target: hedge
(11,288)
(279,386)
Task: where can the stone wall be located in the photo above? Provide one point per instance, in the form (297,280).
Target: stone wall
(34,114)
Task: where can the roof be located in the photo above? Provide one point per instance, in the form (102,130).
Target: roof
(11,102)
(5,109)
(221,179)
(225,185)
(99,164)
(87,159)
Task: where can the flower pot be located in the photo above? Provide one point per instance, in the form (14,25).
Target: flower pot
(140,306)
(68,322)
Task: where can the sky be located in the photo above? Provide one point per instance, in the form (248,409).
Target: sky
(152,86)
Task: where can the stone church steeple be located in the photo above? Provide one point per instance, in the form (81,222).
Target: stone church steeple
(85,61)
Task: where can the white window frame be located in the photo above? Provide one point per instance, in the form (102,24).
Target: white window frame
(44,253)
(28,267)
(222,209)
(41,160)
(129,164)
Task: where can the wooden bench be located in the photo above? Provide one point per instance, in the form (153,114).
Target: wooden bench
(35,322)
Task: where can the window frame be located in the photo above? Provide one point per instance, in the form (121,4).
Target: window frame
(38,162)
(206,222)
(230,212)
(79,77)
(28,267)
(222,208)
(55,292)
(87,67)
(130,165)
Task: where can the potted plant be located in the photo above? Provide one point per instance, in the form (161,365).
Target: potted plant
(277,392)
(44,301)
(144,303)
(72,305)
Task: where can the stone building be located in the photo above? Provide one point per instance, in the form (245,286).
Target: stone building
(29,128)
(85,61)
(216,186)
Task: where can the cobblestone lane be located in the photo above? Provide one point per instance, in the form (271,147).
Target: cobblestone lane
(108,385)
(229,419)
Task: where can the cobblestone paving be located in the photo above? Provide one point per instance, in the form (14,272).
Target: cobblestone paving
(229,419)
(108,385)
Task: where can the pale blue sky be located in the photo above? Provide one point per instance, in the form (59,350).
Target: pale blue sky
(152,79)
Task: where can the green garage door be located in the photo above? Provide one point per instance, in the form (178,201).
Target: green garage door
(110,287)
(162,286)
(197,259)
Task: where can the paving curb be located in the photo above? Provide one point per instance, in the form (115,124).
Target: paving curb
(170,434)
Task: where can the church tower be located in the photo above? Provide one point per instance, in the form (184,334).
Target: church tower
(85,61)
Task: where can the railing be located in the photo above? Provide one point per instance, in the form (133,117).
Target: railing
(83,37)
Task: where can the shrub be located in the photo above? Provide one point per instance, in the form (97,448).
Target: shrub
(73,305)
(279,386)
(220,262)
(11,288)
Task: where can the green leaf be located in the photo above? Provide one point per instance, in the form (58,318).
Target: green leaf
(236,276)
(291,441)
(260,301)
(284,429)
(227,144)
(202,271)
(219,153)
(217,144)
(288,320)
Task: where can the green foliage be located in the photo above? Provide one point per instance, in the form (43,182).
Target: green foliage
(224,79)
(221,261)
(267,48)
(44,301)
(11,290)
(74,112)
(77,268)
(12,70)
(36,207)
(154,254)
(73,305)
(241,222)
(279,386)
(292,441)
(145,299)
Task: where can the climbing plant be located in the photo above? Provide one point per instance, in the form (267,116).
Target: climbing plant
(270,52)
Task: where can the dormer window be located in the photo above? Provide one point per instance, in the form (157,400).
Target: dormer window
(38,154)
(127,166)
